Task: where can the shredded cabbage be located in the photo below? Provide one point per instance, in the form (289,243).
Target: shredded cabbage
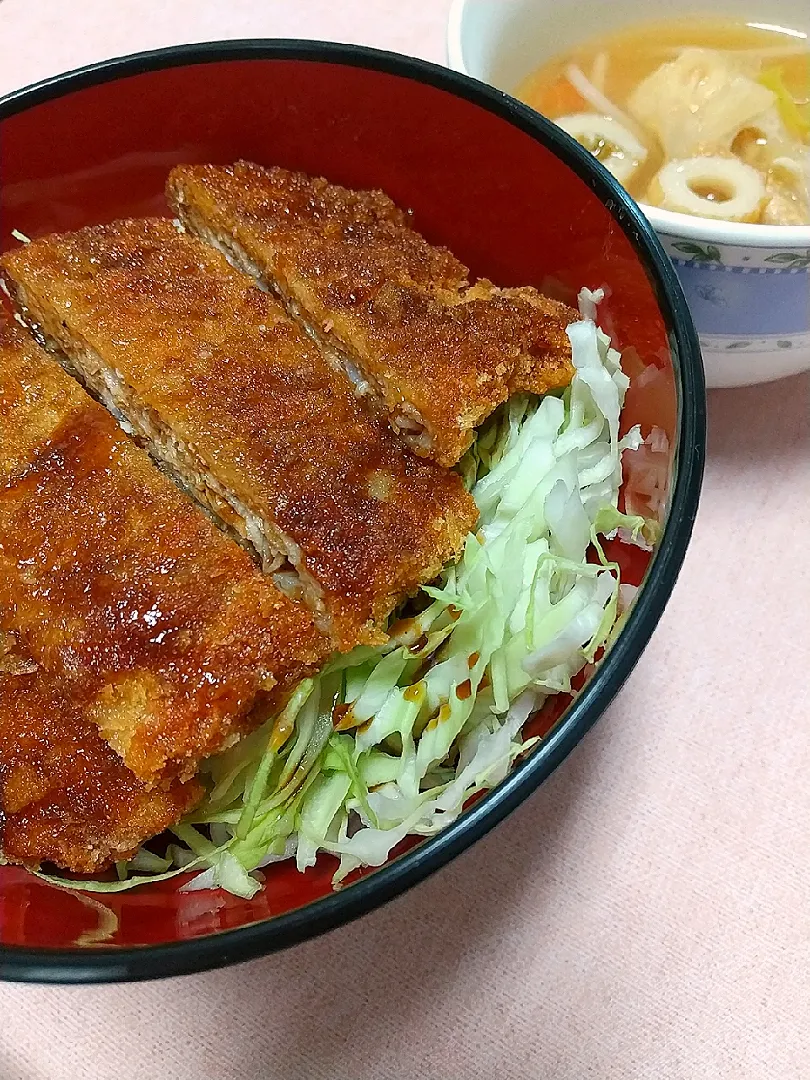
(392,742)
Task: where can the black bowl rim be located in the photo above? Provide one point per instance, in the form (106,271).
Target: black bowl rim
(31,964)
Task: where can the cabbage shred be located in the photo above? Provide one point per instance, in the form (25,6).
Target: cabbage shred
(391,742)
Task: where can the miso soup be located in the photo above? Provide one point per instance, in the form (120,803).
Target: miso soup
(700,117)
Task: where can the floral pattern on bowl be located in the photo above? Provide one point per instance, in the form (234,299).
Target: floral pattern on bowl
(751,307)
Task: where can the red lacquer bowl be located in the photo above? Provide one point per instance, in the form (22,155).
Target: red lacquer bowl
(516,200)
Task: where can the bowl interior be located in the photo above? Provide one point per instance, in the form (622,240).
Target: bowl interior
(99,146)
(503,43)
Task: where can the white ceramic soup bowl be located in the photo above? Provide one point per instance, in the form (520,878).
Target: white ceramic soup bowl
(748,286)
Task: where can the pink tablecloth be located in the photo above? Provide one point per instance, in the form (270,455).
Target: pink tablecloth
(647,914)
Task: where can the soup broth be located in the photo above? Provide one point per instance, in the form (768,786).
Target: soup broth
(715,114)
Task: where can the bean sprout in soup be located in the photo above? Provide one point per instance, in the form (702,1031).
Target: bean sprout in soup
(703,118)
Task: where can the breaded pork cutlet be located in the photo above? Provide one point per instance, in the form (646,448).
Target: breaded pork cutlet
(65,796)
(393,311)
(118,586)
(231,394)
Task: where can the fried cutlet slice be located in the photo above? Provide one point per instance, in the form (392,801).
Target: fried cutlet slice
(226,390)
(396,313)
(65,796)
(116,584)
